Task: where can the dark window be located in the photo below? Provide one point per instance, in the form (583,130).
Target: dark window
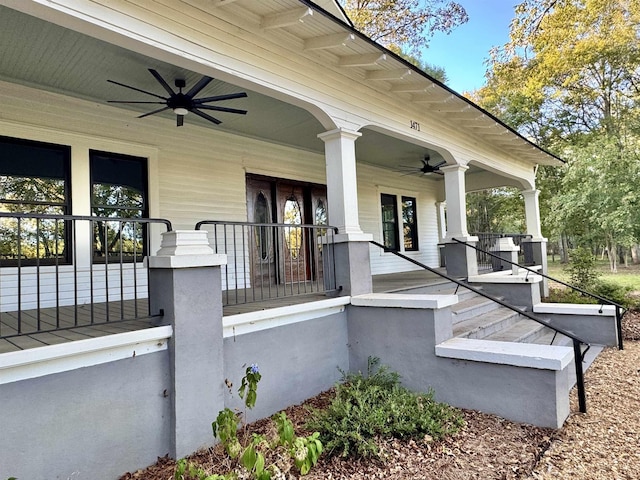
(390,237)
(119,190)
(409,223)
(34,179)
(261,215)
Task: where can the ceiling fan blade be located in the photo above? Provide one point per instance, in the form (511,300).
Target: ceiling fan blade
(218,98)
(129,101)
(136,89)
(161,81)
(443,162)
(180,120)
(204,81)
(154,112)
(223,109)
(206,117)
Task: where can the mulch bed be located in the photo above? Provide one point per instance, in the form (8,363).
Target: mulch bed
(601,444)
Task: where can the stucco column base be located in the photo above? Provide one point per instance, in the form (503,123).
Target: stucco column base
(460,260)
(506,250)
(539,249)
(191,298)
(353,267)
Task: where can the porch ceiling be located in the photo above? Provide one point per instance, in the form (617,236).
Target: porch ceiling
(46,56)
(49,57)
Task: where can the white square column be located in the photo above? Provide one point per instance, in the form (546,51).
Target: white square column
(352,260)
(460,260)
(537,242)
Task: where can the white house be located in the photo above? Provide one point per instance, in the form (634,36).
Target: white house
(252,114)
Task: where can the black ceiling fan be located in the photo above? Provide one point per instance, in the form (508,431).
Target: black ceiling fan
(183,103)
(426,168)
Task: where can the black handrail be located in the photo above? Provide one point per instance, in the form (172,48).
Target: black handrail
(577,341)
(604,300)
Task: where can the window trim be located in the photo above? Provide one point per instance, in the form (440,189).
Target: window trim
(398,198)
(414,228)
(65,206)
(144,210)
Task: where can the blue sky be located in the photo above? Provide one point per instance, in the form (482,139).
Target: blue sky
(462,53)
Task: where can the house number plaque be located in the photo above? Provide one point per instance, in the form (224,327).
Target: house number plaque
(414,125)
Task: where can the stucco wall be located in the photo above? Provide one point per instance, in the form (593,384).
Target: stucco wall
(297,361)
(90,423)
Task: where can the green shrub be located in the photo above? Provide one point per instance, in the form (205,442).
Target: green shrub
(376,405)
(582,268)
(615,292)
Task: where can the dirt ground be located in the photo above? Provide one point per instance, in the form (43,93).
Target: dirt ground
(603,444)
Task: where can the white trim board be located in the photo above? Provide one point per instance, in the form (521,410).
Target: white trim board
(244,323)
(51,359)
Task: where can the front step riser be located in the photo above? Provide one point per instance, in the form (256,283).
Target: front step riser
(484,331)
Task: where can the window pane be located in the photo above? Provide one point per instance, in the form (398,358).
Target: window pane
(409,223)
(34,179)
(389,221)
(293,235)
(118,190)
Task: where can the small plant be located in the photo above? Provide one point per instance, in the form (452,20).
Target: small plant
(376,405)
(582,268)
(305,451)
(189,471)
(249,455)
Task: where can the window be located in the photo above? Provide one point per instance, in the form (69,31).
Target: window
(409,224)
(118,189)
(391,226)
(34,179)
(390,221)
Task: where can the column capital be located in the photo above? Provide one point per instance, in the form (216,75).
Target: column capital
(454,168)
(186,249)
(339,133)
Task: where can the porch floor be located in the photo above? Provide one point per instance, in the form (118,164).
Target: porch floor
(75,323)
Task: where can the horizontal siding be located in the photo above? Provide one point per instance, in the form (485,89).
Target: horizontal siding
(373,181)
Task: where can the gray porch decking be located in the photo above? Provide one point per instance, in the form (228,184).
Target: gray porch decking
(71,316)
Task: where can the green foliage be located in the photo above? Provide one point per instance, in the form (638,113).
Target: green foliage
(616,292)
(582,269)
(405,23)
(366,407)
(249,385)
(251,457)
(190,471)
(305,451)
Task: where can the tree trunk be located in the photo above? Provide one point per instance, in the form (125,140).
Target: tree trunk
(634,254)
(613,255)
(564,248)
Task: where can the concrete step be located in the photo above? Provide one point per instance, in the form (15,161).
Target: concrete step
(472,306)
(522,331)
(488,323)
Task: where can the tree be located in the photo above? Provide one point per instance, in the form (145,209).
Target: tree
(404,23)
(569,79)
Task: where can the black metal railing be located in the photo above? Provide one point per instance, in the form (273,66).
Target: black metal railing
(577,342)
(60,272)
(486,241)
(273,260)
(620,309)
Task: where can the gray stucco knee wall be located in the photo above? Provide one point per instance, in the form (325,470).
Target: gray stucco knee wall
(91,423)
(296,361)
(405,340)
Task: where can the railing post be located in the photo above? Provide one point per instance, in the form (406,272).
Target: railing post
(185,283)
(582,397)
(619,328)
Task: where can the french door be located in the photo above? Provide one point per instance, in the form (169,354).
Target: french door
(287,254)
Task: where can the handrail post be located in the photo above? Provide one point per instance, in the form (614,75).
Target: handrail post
(619,328)
(582,397)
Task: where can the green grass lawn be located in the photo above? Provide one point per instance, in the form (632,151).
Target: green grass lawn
(626,276)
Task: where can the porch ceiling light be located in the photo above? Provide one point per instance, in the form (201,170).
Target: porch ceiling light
(180,111)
